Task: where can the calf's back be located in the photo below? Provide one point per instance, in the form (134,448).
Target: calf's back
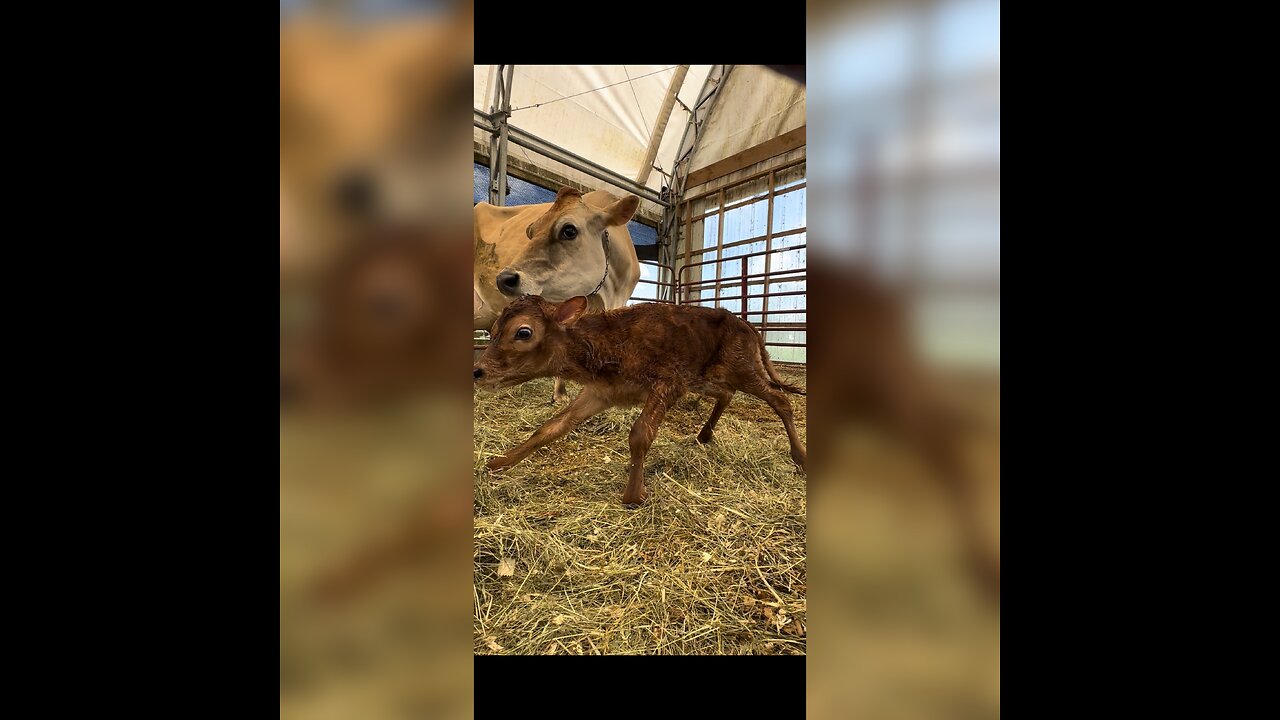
(642,343)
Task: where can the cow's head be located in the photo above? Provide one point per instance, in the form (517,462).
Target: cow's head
(565,255)
(527,341)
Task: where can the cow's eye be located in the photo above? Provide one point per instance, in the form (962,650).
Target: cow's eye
(569,232)
(524,333)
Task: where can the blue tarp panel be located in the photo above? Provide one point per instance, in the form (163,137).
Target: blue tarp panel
(522,193)
(643,237)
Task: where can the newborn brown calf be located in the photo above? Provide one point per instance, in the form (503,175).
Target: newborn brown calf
(649,354)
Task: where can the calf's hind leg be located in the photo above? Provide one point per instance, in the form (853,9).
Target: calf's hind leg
(782,407)
(722,402)
(642,434)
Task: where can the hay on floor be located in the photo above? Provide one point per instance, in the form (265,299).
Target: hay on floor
(713,563)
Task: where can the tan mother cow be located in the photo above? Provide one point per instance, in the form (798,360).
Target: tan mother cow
(576,245)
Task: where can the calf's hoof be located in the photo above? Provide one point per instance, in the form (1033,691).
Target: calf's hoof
(633,501)
(705,436)
(497,464)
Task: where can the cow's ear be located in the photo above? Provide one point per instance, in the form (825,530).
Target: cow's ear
(528,232)
(570,310)
(622,211)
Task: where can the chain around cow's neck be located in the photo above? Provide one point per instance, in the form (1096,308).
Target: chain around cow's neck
(606,265)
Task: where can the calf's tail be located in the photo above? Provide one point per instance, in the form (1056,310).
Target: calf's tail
(775,379)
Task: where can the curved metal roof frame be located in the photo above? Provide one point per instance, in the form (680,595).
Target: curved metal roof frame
(707,98)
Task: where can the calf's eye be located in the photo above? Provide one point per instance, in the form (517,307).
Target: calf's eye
(524,333)
(569,232)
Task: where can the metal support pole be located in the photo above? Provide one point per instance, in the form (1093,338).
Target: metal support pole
(665,241)
(506,114)
(499,112)
(495,134)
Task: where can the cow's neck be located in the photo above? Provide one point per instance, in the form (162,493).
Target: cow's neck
(599,286)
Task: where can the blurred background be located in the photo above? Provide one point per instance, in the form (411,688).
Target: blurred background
(375,259)
(904,496)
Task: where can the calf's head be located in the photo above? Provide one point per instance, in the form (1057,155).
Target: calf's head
(565,255)
(527,341)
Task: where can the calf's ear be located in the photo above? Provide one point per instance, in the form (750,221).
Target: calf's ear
(570,310)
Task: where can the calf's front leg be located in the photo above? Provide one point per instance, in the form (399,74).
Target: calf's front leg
(643,432)
(588,403)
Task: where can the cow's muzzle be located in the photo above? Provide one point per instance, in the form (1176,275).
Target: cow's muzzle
(509,283)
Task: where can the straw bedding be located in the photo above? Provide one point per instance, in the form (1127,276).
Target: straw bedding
(713,563)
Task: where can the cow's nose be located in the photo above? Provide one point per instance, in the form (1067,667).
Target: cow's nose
(477,373)
(508,282)
(355,192)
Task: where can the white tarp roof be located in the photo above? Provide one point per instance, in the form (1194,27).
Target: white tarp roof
(610,126)
(756,104)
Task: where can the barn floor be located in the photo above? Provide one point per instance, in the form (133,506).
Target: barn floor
(713,563)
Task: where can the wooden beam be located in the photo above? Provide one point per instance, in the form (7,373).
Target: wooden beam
(747,179)
(660,123)
(752,155)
